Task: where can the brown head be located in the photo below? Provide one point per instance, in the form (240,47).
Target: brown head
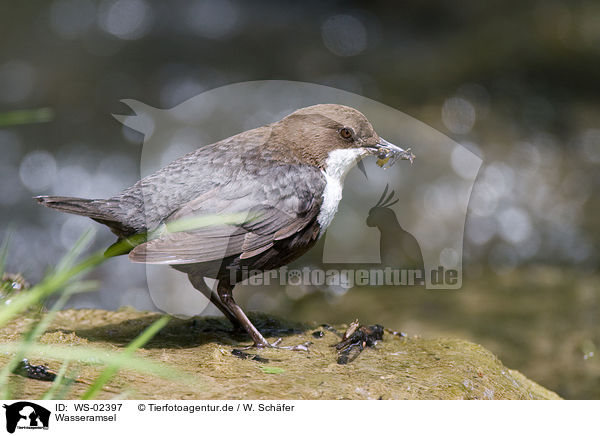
(309,135)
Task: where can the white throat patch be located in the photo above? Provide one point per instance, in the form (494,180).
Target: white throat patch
(337,165)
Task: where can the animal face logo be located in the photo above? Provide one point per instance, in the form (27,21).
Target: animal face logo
(26,415)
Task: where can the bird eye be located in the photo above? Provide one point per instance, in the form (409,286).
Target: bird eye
(346,133)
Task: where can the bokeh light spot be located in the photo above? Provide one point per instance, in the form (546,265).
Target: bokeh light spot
(344,35)
(126,19)
(38,170)
(458,115)
(213,19)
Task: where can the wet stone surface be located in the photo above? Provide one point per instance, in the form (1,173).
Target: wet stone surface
(215,363)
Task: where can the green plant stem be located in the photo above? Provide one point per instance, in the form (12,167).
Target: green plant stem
(138,342)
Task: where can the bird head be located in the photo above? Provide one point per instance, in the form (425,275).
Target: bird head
(334,137)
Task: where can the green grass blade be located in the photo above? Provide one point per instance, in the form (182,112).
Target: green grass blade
(66,385)
(27,299)
(21,302)
(57,383)
(138,342)
(38,329)
(68,260)
(52,283)
(26,116)
(99,356)
(194,223)
(59,278)
(44,323)
(4,252)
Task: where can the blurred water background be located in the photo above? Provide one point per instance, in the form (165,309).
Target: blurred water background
(515,81)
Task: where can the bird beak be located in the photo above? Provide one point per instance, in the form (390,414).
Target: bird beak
(390,153)
(382,143)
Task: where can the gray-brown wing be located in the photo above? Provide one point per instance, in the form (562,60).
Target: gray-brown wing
(276,203)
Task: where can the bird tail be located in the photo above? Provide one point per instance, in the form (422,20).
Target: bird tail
(77,206)
(99,210)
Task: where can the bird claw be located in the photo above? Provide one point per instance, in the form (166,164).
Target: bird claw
(300,347)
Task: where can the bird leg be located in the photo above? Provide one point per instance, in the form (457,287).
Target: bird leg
(214,299)
(225,291)
(199,283)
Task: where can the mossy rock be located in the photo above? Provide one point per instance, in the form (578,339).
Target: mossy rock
(201,348)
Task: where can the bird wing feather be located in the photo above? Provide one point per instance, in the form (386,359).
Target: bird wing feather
(277,202)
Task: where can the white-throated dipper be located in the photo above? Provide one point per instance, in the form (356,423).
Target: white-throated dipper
(286,177)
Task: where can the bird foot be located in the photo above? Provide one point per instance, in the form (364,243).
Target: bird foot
(300,347)
(264,344)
